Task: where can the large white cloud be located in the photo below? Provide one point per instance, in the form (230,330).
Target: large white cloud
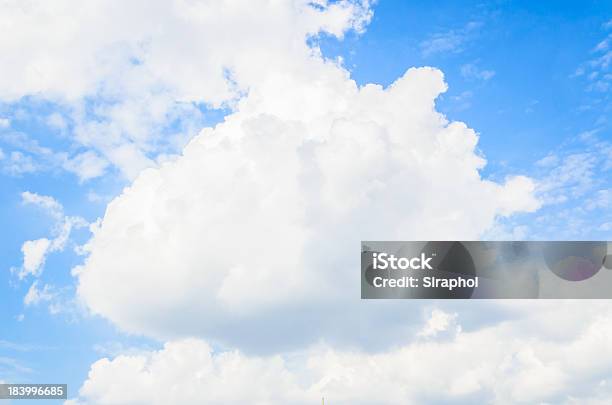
(130,76)
(495,365)
(261,216)
(68,50)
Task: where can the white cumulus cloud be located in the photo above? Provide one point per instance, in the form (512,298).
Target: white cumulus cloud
(136,90)
(260,216)
(510,363)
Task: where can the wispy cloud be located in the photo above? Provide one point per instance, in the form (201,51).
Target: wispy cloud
(575,186)
(20,347)
(11,366)
(462,101)
(36,251)
(597,69)
(26,155)
(471,71)
(451,41)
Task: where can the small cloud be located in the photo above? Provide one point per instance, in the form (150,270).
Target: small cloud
(56,121)
(573,184)
(49,204)
(13,365)
(603,45)
(579,72)
(548,161)
(27,155)
(571,176)
(87,165)
(452,41)
(438,323)
(596,70)
(55,298)
(5,123)
(17,164)
(471,72)
(602,199)
(35,251)
(35,295)
(94,197)
(26,144)
(34,256)
(588,136)
(462,101)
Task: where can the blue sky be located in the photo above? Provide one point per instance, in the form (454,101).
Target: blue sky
(514,75)
(531,103)
(523,74)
